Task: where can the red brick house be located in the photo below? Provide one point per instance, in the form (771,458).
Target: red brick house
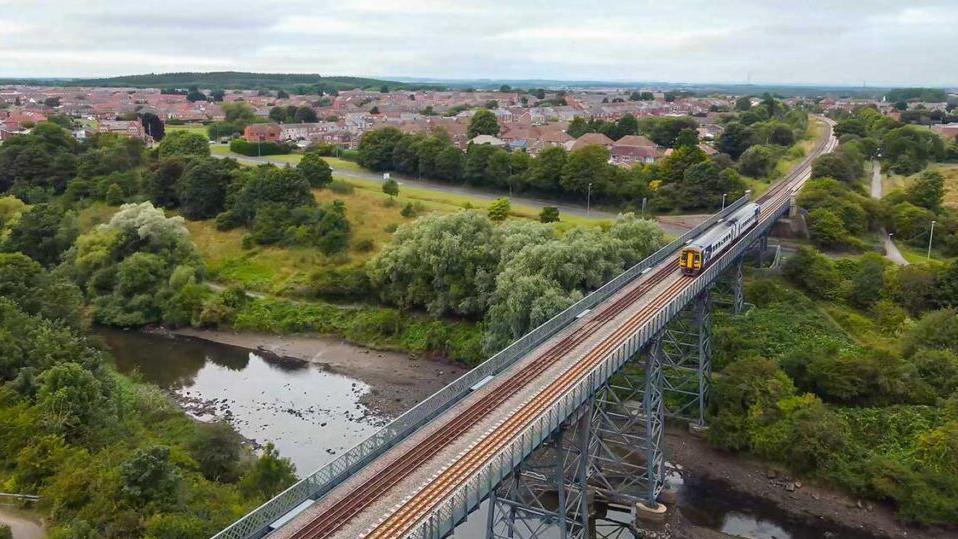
(263,133)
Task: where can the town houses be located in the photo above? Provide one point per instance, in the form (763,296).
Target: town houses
(529,121)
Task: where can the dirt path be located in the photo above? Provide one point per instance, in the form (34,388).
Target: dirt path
(794,495)
(24,525)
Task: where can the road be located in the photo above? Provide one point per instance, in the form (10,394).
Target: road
(674,225)
(891,250)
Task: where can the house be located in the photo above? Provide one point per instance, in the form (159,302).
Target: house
(262,133)
(948,131)
(126,128)
(589,139)
(635,149)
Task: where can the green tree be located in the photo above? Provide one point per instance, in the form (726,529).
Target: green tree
(148,477)
(758,161)
(202,188)
(71,397)
(43,233)
(376,148)
(549,214)
(184,143)
(577,127)
(499,210)
(391,187)
(686,138)
(160,184)
(269,475)
(271,186)
(814,273)
(588,165)
(826,229)
(217,448)
(927,190)
(743,103)
(735,139)
(315,170)
(483,122)
(868,281)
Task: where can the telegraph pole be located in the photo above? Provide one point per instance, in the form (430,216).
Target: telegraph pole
(931,235)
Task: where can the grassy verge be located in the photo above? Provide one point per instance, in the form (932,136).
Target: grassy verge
(199,129)
(950,172)
(383,328)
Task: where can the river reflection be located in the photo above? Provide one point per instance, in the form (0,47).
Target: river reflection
(309,414)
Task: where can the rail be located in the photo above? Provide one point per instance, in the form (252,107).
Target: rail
(256,523)
(467,496)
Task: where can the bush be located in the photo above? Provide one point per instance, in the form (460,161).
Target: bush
(814,273)
(341,188)
(254,149)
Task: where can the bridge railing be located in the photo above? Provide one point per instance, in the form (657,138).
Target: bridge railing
(444,516)
(315,485)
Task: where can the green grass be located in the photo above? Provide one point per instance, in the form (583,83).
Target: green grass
(950,172)
(192,128)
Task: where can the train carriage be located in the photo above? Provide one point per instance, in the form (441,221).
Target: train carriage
(698,252)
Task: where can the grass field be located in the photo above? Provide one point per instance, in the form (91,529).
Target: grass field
(950,172)
(192,128)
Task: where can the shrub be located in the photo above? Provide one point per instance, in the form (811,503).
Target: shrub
(341,188)
(254,149)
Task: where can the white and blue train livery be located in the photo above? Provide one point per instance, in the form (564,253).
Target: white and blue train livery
(697,254)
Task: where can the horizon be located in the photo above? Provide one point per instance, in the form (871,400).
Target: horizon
(878,42)
(494,80)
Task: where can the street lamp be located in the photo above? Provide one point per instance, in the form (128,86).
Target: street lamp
(931,235)
(588,201)
(723,200)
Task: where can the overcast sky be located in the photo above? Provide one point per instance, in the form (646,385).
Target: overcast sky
(793,41)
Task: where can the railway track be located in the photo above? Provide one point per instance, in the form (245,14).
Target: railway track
(411,512)
(341,512)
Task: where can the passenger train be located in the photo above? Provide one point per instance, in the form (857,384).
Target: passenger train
(698,252)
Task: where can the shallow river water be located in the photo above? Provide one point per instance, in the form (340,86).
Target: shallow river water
(312,415)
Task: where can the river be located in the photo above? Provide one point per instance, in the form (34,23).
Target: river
(311,415)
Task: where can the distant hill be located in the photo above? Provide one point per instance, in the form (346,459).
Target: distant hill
(232,80)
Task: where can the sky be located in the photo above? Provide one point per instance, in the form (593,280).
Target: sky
(842,42)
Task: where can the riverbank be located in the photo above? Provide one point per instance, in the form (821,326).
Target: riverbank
(795,496)
(397,381)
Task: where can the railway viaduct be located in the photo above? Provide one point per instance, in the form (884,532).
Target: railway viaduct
(566,419)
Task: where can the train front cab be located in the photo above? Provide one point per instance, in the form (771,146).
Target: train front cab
(691,261)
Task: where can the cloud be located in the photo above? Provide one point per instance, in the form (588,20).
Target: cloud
(817,41)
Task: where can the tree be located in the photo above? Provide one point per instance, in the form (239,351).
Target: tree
(217,449)
(449,164)
(743,103)
(148,477)
(483,122)
(315,169)
(269,475)
(868,281)
(499,210)
(735,140)
(70,396)
(160,184)
(271,186)
(687,137)
(577,127)
(305,115)
(282,94)
(184,143)
(52,102)
(626,125)
(278,114)
(202,188)
(826,228)
(391,187)
(927,190)
(588,165)
(195,95)
(376,148)
(43,233)
(218,95)
(549,214)
(837,165)
(153,126)
(758,161)
(814,273)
